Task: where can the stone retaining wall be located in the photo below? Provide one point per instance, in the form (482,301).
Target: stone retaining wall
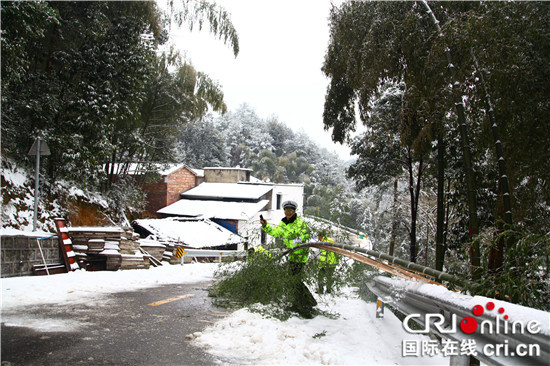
(20,253)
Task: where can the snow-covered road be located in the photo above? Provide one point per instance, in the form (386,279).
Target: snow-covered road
(355,336)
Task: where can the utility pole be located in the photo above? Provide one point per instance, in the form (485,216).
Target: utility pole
(38,148)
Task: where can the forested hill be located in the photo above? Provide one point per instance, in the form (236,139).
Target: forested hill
(276,153)
(267,146)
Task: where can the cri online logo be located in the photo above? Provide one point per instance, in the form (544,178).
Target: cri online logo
(469,324)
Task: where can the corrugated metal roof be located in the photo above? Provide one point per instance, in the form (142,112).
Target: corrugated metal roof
(214,209)
(228,191)
(162,169)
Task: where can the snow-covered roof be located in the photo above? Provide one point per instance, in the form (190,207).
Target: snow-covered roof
(171,169)
(227,168)
(175,167)
(198,172)
(195,233)
(227,191)
(214,209)
(150,243)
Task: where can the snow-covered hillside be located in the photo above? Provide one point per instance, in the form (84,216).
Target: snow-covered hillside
(18,199)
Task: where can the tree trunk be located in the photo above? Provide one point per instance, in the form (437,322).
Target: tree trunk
(414,191)
(447,215)
(427,244)
(394,217)
(503,176)
(111,179)
(504,213)
(475,255)
(440,226)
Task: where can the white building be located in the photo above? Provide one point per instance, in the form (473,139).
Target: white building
(235,200)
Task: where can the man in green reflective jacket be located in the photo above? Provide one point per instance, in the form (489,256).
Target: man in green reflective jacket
(294,231)
(328,261)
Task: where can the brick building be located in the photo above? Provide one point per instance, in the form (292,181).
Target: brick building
(172,183)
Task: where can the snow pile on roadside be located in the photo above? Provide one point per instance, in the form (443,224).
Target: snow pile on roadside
(354,337)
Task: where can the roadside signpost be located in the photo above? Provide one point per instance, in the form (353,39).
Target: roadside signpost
(38,148)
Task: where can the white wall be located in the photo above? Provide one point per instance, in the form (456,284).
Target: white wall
(294,192)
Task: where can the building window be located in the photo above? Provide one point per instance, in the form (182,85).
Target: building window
(279,200)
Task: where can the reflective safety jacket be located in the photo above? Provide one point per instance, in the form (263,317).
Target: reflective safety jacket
(328,258)
(293,232)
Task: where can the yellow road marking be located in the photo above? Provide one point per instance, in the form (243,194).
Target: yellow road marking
(170,300)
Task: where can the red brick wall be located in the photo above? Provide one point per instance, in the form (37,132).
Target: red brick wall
(168,189)
(179,181)
(156,196)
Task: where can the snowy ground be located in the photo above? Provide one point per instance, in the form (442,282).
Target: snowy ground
(355,337)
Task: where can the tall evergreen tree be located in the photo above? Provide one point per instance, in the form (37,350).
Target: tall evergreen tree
(390,148)
(416,44)
(200,144)
(86,77)
(372,44)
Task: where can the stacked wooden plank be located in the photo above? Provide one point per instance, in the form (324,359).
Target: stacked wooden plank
(153,247)
(96,246)
(132,258)
(168,254)
(109,248)
(111,251)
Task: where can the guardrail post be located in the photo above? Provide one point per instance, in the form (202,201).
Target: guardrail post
(379,308)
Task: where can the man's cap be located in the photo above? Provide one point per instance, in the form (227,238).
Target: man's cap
(290,204)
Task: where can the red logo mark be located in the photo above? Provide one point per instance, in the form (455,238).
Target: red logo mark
(469,324)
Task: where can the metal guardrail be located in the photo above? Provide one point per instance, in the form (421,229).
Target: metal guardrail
(508,347)
(211,253)
(408,300)
(438,275)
